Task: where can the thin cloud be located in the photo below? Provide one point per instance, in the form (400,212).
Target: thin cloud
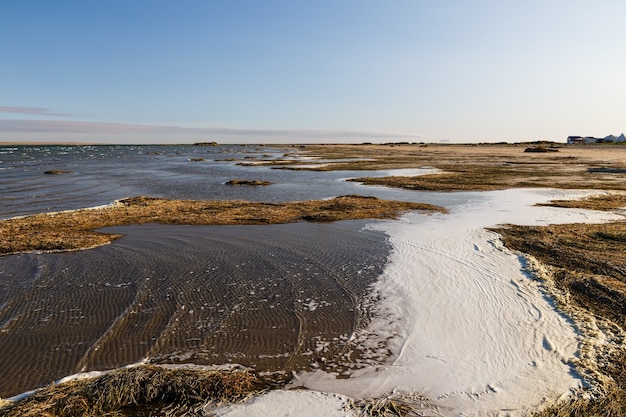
(53,126)
(38,111)
(96,128)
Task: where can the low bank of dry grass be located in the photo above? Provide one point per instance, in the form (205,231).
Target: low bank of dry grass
(479,177)
(73,230)
(484,167)
(603,202)
(476,181)
(140,391)
(589,260)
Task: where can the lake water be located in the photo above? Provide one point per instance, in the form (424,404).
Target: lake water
(102,174)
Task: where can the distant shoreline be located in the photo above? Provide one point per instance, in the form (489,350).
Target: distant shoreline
(51,143)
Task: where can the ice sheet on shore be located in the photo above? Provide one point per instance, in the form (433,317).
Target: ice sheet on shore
(468,326)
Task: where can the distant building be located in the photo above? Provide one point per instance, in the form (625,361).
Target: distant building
(609,139)
(587,140)
(580,140)
(575,140)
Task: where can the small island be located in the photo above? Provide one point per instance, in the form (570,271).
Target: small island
(58,172)
(248,182)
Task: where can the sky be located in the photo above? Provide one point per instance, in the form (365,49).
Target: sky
(234,71)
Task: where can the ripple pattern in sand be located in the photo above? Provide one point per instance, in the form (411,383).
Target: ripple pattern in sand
(277,298)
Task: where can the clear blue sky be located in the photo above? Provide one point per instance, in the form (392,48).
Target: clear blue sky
(150,71)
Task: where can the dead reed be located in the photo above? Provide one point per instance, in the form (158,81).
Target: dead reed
(389,406)
(604,202)
(73,230)
(485,177)
(145,390)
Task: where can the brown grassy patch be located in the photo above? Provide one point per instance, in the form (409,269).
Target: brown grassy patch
(589,261)
(484,177)
(248,182)
(484,167)
(540,148)
(440,182)
(140,391)
(605,202)
(58,172)
(609,404)
(74,230)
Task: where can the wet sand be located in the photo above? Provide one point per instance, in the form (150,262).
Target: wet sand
(274,298)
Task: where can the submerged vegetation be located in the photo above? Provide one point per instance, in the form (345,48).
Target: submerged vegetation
(73,230)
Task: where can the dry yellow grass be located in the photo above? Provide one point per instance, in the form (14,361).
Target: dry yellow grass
(603,202)
(472,167)
(73,230)
(390,406)
(139,391)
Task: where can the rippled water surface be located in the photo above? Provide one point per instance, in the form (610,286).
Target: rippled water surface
(278,298)
(101,174)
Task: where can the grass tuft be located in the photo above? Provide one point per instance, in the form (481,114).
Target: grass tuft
(145,390)
(389,406)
